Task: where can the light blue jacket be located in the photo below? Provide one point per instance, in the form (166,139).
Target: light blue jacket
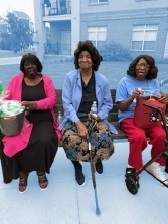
(72,93)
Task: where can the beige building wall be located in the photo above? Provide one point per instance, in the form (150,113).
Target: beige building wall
(40,28)
(74,20)
(75,24)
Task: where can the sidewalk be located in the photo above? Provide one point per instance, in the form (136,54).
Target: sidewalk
(66,203)
(10,60)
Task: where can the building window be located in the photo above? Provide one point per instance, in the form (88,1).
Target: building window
(144,0)
(97,1)
(144,37)
(98,36)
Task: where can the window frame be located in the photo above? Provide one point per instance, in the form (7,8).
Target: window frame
(98,30)
(146,31)
(144,0)
(98,1)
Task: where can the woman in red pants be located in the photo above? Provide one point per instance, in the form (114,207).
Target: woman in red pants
(142,74)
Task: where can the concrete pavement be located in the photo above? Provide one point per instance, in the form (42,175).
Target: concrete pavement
(64,202)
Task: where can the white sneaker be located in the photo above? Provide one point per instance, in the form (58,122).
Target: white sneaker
(155,170)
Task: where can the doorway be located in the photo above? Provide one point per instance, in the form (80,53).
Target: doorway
(65,42)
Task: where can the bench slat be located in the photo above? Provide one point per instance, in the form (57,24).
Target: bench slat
(121,134)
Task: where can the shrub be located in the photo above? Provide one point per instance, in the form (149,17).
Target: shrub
(115,52)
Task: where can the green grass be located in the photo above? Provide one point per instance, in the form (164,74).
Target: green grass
(113,71)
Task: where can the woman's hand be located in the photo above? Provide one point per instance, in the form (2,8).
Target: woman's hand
(123,105)
(82,130)
(136,93)
(94,117)
(162,98)
(30,105)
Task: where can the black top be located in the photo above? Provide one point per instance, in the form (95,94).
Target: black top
(35,93)
(88,95)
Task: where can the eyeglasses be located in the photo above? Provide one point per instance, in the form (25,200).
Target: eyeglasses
(143,65)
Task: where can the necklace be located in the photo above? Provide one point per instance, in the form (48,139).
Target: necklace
(86,78)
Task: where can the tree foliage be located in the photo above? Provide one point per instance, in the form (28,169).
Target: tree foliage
(19,36)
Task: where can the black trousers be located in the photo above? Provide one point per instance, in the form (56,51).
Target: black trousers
(76,164)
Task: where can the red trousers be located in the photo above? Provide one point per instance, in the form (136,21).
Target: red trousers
(138,142)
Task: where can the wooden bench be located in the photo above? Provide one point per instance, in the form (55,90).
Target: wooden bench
(112,118)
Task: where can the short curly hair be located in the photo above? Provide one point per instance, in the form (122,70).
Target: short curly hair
(153,70)
(32,58)
(88,46)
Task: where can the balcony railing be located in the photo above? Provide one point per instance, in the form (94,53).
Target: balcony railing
(57,49)
(59,7)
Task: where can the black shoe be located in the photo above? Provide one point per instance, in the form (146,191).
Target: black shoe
(166,169)
(131,173)
(80,178)
(166,166)
(99,167)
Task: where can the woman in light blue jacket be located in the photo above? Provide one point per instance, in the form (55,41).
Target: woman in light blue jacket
(81,87)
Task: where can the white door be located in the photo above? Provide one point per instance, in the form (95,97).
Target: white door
(65,42)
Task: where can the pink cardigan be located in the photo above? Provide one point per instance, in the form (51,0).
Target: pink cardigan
(15,144)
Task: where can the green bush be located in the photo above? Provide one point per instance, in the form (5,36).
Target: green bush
(115,52)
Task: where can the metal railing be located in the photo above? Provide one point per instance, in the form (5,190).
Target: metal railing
(57,49)
(59,7)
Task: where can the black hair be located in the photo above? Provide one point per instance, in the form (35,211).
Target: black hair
(88,46)
(153,70)
(32,58)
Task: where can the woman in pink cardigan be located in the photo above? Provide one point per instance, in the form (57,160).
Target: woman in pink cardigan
(35,148)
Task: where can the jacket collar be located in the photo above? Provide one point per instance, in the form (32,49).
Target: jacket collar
(97,78)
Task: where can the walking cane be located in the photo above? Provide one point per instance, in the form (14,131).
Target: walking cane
(92,124)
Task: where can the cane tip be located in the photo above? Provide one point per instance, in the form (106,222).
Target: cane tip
(97,211)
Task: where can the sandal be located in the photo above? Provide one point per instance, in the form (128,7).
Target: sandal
(43,182)
(23,184)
